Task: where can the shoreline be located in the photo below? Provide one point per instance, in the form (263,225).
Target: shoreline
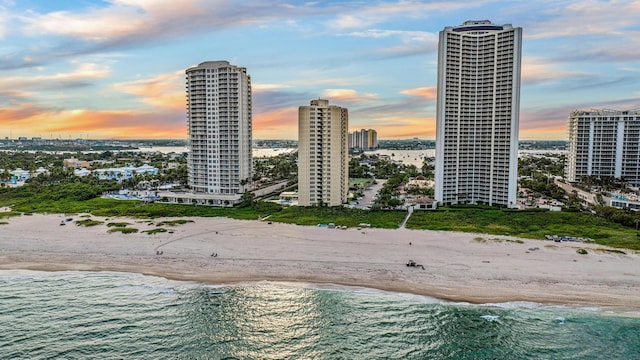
(459,267)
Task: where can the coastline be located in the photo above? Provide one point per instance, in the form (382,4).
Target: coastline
(458,267)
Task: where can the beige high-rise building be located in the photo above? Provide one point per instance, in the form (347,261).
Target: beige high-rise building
(219,124)
(478,111)
(323,155)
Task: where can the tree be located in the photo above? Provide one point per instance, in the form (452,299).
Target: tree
(247,199)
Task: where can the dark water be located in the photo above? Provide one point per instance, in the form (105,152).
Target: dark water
(75,315)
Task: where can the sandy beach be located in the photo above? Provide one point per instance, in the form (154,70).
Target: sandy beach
(474,268)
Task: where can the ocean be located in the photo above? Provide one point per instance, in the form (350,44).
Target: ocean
(107,315)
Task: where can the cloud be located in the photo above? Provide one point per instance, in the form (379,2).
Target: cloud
(348,95)
(551,122)
(351,22)
(580,18)
(126,22)
(537,70)
(407,36)
(428,93)
(358,15)
(95,124)
(77,77)
(397,126)
(163,91)
(276,124)
(412,42)
(266,87)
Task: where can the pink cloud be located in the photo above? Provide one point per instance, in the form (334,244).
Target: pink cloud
(165,90)
(428,93)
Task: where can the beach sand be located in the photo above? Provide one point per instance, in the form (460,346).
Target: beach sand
(459,267)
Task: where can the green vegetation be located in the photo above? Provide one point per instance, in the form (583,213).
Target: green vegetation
(174,222)
(155,231)
(483,240)
(124,230)
(582,251)
(7,214)
(61,192)
(527,224)
(118,224)
(89,222)
(613,251)
(4,223)
(339,216)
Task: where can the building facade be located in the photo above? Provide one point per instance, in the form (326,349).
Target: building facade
(365,139)
(478,106)
(323,154)
(219,126)
(604,143)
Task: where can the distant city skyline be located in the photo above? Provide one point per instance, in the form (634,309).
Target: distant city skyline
(114,69)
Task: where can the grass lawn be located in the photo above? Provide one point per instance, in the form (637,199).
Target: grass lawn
(360,182)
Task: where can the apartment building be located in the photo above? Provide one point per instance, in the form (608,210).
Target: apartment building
(478,105)
(604,143)
(219,129)
(365,139)
(323,157)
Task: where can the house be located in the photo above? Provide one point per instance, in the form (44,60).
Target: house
(423,203)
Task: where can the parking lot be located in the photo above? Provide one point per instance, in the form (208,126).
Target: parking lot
(369,193)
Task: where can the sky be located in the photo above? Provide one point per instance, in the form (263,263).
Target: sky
(114,69)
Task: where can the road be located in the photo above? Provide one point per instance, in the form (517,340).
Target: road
(369,193)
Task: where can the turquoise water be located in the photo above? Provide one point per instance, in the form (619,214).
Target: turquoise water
(76,315)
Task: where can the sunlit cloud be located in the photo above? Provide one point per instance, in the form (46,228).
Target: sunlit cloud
(428,93)
(396,126)
(133,21)
(78,76)
(267,87)
(537,70)
(343,22)
(29,120)
(164,91)
(347,95)
(276,124)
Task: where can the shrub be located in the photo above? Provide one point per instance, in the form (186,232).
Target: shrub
(582,251)
(174,222)
(118,224)
(89,222)
(155,231)
(124,230)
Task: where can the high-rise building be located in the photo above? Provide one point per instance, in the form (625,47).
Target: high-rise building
(323,155)
(604,143)
(363,139)
(477,114)
(219,125)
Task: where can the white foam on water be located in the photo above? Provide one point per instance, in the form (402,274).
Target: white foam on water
(491,318)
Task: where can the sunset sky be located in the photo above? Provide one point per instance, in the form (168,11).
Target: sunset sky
(115,68)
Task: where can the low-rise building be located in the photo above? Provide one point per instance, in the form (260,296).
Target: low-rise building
(74,163)
(125,173)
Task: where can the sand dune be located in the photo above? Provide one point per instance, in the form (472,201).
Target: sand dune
(457,266)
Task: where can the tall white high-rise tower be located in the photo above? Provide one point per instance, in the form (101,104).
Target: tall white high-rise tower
(219,125)
(477,114)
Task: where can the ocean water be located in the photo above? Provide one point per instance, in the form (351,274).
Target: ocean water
(105,315)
